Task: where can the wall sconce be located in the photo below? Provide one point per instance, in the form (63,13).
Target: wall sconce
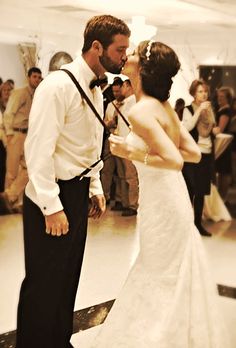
(140,30)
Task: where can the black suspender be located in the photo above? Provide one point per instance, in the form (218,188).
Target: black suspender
(120,113)
(106,129)
(84,95)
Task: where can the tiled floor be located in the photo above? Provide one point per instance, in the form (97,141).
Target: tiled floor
(111,248)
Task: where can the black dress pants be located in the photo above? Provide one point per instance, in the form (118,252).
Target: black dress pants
(52,265)
(198,177)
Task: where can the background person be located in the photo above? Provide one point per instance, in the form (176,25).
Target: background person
(179,107)
(199,120)
(109,176)
(223,119)
(5,90)
(15,119)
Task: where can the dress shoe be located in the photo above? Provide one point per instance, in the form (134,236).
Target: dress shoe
(6,206)
(228,205)
(117,207)
(18,209)
(129,212)
(203,232)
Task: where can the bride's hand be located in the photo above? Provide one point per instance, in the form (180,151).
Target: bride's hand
(118,146)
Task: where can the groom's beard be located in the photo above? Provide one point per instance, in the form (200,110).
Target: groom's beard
(109,65)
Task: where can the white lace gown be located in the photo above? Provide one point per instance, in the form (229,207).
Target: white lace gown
(169,299)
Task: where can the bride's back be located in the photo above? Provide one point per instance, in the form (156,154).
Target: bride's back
(171,123)
(150,110)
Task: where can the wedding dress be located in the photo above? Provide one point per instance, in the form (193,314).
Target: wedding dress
(168,300)
(214,207)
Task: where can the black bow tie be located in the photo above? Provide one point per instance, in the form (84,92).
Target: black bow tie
(97,82)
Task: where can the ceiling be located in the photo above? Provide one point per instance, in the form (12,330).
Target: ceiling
(169,16)
(162,13)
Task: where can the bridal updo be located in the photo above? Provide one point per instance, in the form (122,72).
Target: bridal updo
(158,65)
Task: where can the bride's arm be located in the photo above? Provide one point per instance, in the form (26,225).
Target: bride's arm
(161,151)
(188,147)
(119,147)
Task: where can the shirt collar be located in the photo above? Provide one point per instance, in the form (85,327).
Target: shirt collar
(132,96)
(79,67)
(119,103)
(30,90)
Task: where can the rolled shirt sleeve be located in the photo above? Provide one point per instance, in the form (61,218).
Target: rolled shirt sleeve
(95,187)
(189,121)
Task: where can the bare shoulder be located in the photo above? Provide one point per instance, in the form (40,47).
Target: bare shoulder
(146,108)
(168,108)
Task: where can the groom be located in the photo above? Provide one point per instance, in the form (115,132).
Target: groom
(63,140)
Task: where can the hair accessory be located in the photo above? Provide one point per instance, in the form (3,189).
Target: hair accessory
(146,155)
(149,46)
(145,160)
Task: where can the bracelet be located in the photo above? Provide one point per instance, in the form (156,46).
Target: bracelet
(145,160)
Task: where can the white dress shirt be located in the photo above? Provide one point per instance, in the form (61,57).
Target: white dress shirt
(122,128)
(109,114)
(126,104)
(64,136)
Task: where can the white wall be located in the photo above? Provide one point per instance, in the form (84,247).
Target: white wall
(11,66)
(50,31)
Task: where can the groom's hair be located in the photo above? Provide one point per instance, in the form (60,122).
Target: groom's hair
(103,29)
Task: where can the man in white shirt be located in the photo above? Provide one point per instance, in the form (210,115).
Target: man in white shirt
(109,172)
(16,118)
(127,172)
(64,139)
(127,199)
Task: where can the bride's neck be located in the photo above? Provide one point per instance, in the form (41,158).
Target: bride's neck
(139,94)
(138,90)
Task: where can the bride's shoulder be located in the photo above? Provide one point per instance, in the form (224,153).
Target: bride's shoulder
(149,102)
(144,107)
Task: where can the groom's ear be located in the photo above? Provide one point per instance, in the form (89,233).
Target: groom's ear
(97,46)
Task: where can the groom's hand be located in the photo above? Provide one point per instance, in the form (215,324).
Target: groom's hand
(97,207)
(57,224)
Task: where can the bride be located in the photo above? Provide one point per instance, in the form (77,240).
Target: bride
(168,300)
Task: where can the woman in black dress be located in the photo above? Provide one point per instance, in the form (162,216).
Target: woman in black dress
(223,118)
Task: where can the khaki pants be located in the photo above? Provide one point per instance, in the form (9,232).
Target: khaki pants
(108,174)
(128,176)
(16,172)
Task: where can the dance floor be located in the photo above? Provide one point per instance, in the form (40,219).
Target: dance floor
(111,248)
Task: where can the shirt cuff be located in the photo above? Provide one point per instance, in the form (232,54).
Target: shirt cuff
(95,187)
(51,207)
(48,206)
